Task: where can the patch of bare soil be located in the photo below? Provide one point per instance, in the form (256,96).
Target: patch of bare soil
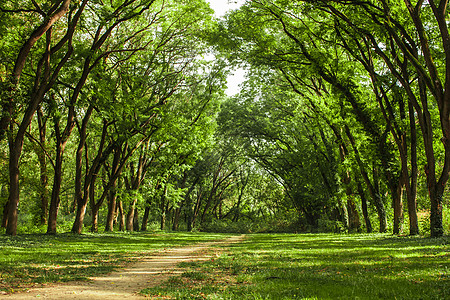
(149,271)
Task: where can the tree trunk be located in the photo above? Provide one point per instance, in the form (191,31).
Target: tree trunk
(121,217)
(94,226)
(378,201)
(111,209)
(43,191)
(436,197)
(397,193)
(373,188)
(136,219)
(163,220)
(57,179)
(176,219)
(411,186)
(162,207)
(197,208)
(5,214)
(77,226)
(145,218)
(130,216)
(364,208)
(354,223)
(14,188)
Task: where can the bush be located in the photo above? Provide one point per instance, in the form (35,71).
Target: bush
(227,226)
(328,226)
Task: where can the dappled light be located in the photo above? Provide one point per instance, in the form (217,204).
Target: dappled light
(318,129)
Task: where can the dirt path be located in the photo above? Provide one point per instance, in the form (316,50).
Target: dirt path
(126,283)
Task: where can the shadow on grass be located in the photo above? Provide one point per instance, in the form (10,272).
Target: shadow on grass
(39,258)
(283,266)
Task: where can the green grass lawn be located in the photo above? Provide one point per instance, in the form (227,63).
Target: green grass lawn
(322,266)
(26,260)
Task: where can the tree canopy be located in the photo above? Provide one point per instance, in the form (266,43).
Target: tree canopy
(116,110)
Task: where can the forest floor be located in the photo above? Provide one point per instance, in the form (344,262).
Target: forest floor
(126,283)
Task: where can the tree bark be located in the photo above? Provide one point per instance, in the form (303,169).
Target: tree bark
(121,217)
(56,189)
(196,208)
(145,218)
(353,216)
(176,218)
(109,227)
(398,209)
(22,58)
(43,191)
(364,208)
(130,215)
(136,219)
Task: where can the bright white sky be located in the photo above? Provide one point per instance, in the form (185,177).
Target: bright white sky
(238,76)
(222,6)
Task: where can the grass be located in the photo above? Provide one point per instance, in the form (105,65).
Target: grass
(323,266)
(27,260)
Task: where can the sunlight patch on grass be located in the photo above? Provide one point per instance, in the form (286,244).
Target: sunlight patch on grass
(29,259)
(325,266)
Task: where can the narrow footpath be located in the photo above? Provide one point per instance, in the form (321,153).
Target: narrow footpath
(149,271)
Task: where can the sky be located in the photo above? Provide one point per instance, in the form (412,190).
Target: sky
(237,76)
(222,6)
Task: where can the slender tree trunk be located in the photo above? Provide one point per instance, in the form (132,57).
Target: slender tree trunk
(5,214)
(130,216)
(43,191)
(145,218)
(197,208)
(176,219)
(111,209)
(136,219)
(163,220)
(378,201)
(411,186)
(364,208)
(57,179)
(112,196)
(13,202)
(397,193)
(121,217)
(373,188)
(353,216)
(163,211)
